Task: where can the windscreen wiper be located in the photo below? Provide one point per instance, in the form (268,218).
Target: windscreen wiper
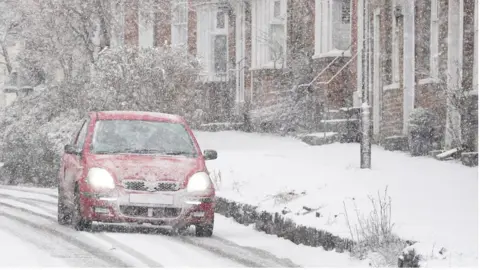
(140,151)
(179,153)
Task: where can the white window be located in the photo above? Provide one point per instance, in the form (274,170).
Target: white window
(332,27)
(269,33)
(212,41)
(146,33)
(434,39)
(180,23)
(395,44)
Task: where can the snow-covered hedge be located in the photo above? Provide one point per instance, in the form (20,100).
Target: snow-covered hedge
(274,223)
(34,129)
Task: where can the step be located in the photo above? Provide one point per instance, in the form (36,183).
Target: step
(342,113)
(320,138)
(339,125)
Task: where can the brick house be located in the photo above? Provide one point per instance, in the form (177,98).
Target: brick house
(255,51)
(419,51)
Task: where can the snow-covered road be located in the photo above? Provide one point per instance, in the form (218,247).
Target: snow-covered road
(31,237)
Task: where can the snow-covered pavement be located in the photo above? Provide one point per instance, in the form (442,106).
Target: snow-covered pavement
(433,202)
(31,212)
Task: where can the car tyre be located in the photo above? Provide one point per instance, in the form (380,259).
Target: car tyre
(204,230)
(64,216)
(78,222)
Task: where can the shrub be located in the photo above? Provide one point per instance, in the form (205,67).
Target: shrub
(374,235)
(34,128)
(30,160)
(422,126)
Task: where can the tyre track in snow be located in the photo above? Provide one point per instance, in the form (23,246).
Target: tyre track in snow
(28,190)
(66,252)
(145,260)
(50,230)
(247,256)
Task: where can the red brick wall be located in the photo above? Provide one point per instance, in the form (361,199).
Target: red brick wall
(470,114)
(392,113)
(354,22)
(248,52)
(231,43)
(162,24)
(192,29)
(392,100)
(131,23)
(468,43)
(339,92)
(431,95)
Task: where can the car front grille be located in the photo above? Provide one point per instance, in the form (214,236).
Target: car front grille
(141,185)
(157,212)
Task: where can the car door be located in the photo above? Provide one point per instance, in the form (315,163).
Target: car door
(73,163)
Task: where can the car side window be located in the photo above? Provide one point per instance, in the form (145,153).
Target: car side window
(82,135)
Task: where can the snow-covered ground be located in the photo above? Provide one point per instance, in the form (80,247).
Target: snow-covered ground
(17,252)
(433,202)
(233,245)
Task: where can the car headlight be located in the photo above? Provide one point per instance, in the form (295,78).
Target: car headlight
(200,181)
(100,178)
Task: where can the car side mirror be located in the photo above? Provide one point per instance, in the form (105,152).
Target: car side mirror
(72,150)
(210,154)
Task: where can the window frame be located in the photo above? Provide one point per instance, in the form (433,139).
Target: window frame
(324,27)
(179,28)
(434,39)
(207,32)
(264,17)
(395,54)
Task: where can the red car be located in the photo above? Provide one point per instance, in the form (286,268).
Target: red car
(138,167)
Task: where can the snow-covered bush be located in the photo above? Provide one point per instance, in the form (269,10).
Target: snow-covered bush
(29,159)
(374,235)
(421,131)
(154,79)
(34,129)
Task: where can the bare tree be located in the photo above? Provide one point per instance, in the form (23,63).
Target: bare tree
(11,19)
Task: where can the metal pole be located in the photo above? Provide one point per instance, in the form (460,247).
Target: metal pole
(365,146)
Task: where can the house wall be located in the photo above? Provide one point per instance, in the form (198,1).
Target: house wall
(391,91)
(469,123)
(192,29)
(131,23)
(301,65)
(162,28)
(430,91)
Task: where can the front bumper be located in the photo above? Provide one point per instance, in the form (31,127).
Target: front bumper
(118,207)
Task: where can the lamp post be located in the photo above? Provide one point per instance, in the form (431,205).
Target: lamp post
(366,142)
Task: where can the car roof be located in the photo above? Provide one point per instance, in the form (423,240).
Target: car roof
(137,115)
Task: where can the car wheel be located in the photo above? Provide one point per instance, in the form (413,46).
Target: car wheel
(78,222)
(204,230)
(64,215)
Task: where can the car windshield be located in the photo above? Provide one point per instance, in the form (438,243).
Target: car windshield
(141,137)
